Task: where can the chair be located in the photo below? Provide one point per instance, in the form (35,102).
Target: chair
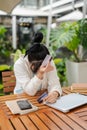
(9,81)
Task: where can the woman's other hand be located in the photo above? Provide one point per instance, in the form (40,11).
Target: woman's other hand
(52,97)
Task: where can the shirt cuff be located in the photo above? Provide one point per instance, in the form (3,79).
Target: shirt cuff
(60,92)
(37,79)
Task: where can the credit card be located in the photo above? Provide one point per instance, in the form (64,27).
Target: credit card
(40,99)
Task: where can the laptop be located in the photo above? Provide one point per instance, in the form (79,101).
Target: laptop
(68,102)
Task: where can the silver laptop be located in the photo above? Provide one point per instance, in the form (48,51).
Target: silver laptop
(68,102)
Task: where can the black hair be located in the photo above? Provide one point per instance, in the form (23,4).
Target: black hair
(38,37)
(37,52)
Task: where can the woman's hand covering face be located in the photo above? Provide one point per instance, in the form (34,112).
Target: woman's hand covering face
(47,68)
(44,69)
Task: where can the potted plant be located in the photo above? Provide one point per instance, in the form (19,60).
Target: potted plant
(70,43)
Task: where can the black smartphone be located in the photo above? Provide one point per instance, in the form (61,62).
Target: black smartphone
(24,104)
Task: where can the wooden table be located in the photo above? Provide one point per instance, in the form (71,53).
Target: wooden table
(45,118)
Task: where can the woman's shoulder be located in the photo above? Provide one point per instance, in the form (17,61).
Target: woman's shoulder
(19,60)
(22,62)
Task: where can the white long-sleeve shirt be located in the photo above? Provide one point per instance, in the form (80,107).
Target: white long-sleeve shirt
(27,82)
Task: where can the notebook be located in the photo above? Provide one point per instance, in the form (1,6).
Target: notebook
(15,109)
(79,88)
(68,102)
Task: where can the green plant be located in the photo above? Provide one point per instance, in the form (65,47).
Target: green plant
(5,45)
(83,33)
(61,71)
(17,54)
(70,38)
(1,90)
(5,67)
(65,34)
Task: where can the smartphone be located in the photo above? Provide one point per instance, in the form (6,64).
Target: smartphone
(40,99)
(46,60)
(24,104)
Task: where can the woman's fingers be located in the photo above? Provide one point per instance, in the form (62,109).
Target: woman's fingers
(51,98)
(49,67)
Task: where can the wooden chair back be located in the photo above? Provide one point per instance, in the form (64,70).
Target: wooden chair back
(9,81)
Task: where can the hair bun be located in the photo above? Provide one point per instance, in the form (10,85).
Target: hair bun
(37,47)
(38,37)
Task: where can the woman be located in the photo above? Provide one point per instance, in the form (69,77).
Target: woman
(31,76)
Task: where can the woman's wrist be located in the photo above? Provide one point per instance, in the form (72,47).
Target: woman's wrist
(57,93)
(39,75)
